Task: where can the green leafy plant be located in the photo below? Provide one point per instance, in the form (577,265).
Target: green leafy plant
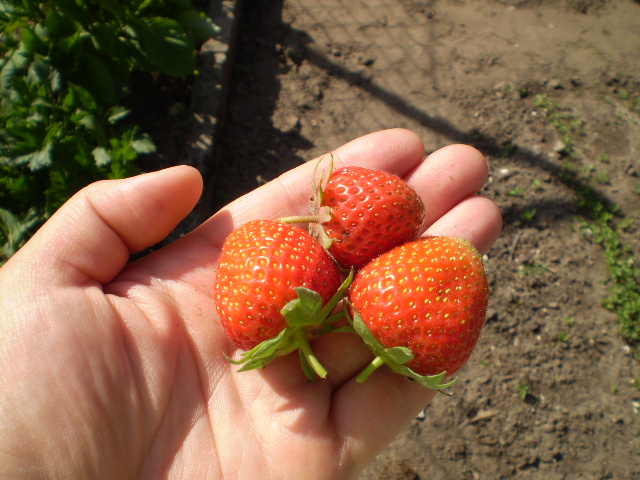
(526,393)
(508,150)
(601,218)
(65,68)
(566,124)
(624,293)
(602,177)
(516,192)
(535,270)
(529,214)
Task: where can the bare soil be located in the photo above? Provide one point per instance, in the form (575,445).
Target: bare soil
(553,389)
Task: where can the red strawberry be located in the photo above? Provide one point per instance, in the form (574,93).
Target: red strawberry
(371,212)
(272,283)
(420,307)
(361,213)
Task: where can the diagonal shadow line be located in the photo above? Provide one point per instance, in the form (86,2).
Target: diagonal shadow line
(391,99)
(486,144)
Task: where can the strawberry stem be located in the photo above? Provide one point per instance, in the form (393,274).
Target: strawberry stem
(300,219)
(369,369)
(305,349)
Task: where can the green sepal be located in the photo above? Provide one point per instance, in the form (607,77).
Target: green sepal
(306,366)
(303,310)
(306,319)
(265,352)
(400,355)
(337,297)
(394,357)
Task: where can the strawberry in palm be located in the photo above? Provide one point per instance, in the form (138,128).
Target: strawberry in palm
(275,288)
(420,308)
(361,213)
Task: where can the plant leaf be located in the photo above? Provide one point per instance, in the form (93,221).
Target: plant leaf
(37,160)
(167,45)
(101,156)
(143,145)
(30,41)
(97,79)
(198,23)
(117,113)
(14,230)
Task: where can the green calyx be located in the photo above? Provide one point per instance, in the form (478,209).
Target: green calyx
(306,318)
(394,357)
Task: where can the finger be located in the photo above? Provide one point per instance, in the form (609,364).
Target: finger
(446,177)
(91,237)
(476,218)
(368,416)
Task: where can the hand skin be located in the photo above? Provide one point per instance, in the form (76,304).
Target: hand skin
(115,370)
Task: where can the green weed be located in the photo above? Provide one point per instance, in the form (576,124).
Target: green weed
(516,192)
(602,177)
(534,270)
(508,150)
(529,214)
(526,394)
(624,295)
(566,124)
(600,217)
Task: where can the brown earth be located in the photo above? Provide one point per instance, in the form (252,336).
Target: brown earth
(549,91)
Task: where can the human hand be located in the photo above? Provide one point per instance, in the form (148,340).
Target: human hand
(111,369)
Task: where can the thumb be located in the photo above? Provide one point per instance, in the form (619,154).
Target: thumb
(91,236)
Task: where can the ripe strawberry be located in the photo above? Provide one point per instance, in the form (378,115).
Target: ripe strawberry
(371,212)
(420,307)
(272,283)
(361,213)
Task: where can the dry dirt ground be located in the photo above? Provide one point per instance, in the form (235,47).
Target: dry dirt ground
(549,91)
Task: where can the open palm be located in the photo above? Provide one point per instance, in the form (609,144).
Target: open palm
(117,370)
